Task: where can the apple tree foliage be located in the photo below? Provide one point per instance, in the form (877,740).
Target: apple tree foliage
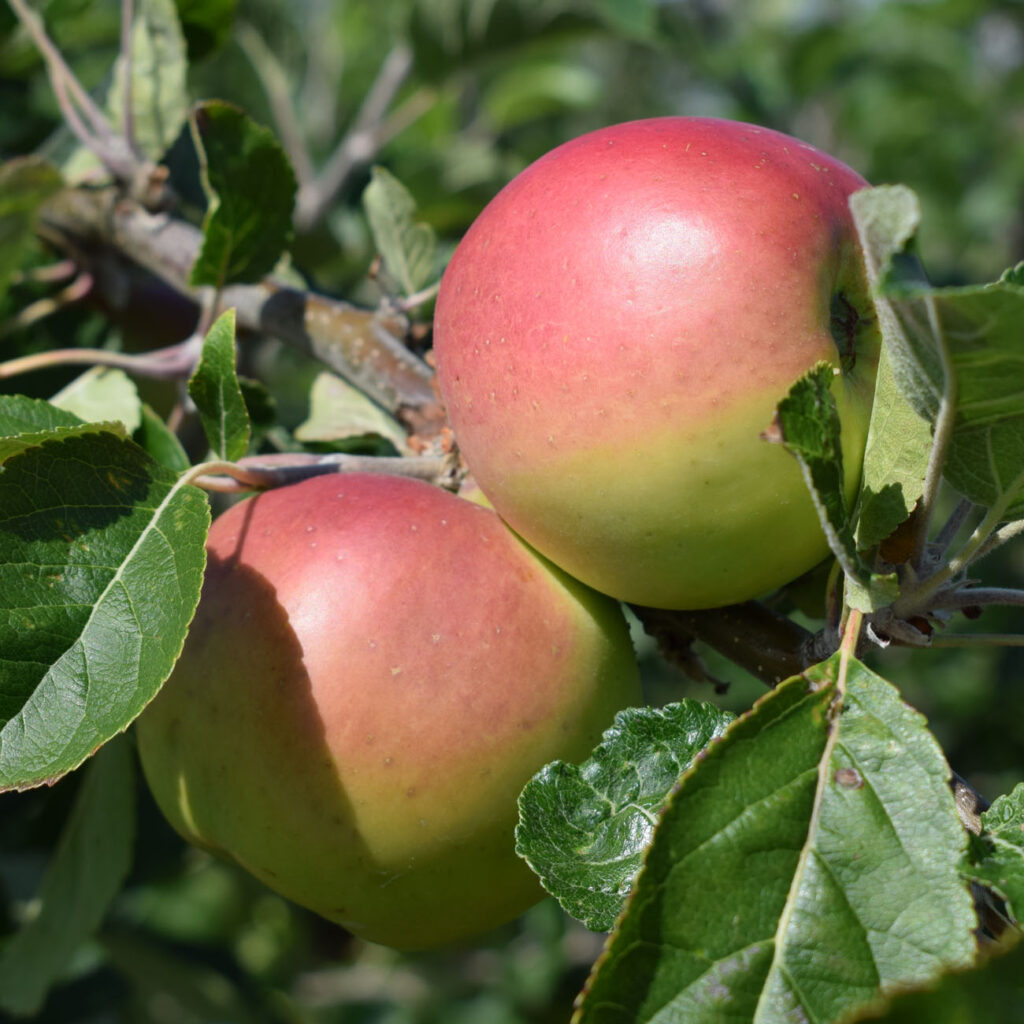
(801,856)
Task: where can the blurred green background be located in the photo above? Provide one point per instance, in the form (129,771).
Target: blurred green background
(929,93)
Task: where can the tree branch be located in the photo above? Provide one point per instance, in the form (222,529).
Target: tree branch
(127,57)
(768,645)
(275,86)
(75,103)
(363,346)
(969,597)
(371,130)
(260,472)
(941,640)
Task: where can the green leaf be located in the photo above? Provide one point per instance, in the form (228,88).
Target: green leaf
(992,992)
(250,187)
(527,90)
(895,461)
(1013,275)
(875,591)
(906,397)
(887,219)
(158,88)
(101,563)
(101,395)
(156,437)
(338,412)
(807,862)
(997,856)
(215,389)
(17,444)
(585,829)
(206,24)
(25,184)
(407,248)
(634,18)
(972,334)
(260,404)
(87,871)
(807,424)
(21,415)
(446,34)
(983,330)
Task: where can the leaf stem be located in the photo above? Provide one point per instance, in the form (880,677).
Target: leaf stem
(848,645)
(999,537)
(42,308)
(951,527)
(410,302)
(917,598)
(851,634)
(173,362)
(209,306)
(941,437)
(52,273)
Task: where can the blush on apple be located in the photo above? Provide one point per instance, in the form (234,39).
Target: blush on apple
(614,332)
(376,669)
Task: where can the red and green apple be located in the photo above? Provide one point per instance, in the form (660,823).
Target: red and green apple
(612,336)
(375,670)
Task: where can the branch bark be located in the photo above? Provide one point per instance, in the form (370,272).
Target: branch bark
(256,472)
(769,646)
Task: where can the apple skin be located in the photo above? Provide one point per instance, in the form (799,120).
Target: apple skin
(375,670)
(612,336)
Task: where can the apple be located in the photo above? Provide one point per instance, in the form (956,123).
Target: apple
(612,336)
(375,670)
